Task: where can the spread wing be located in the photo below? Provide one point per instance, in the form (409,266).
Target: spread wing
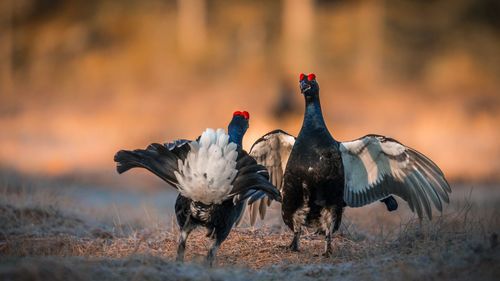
(271,151)
(376,167)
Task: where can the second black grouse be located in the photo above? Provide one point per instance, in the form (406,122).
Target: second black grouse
(318,175)
(214,176)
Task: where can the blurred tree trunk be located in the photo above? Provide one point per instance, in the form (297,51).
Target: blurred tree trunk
(370,42)
(298,26)
(6,86)
(192,27)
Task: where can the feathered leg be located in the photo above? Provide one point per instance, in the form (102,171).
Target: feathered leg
(328,244)
(338,218)
(212,253)
(327,225)
(331,223)
(299,218)
(294,246)
(185,231)
(221,234)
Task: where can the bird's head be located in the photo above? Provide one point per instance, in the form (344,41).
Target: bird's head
(238,126)
(308,84)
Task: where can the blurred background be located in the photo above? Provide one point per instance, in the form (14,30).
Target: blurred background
(81,79)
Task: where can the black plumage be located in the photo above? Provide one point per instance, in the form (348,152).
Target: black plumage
(319,176)
(217,217)
(390,203)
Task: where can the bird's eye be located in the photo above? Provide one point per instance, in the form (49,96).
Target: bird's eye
(302,76)
(246,115)
(311,77)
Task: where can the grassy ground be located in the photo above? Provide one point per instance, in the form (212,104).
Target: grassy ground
(46,235)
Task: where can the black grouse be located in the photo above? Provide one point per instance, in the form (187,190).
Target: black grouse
(318,176)
(214,177)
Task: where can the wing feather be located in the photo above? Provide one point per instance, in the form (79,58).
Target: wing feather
(376,167)
(272,151)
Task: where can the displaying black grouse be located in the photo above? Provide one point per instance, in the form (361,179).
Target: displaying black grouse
(318,175)
(213,174)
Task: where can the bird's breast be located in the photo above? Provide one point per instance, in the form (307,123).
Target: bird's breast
(315,153)
(316,163)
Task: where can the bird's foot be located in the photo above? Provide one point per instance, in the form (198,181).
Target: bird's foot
(294,246)
(180,253)
(319,232)
(328,252)
(212,254)
(209,262)
(328,247)
(289,248)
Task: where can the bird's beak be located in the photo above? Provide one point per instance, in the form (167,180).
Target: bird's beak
(304,87)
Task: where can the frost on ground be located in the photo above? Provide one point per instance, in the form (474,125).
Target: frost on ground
(45,234)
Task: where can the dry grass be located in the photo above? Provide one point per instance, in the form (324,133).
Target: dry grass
(40,239)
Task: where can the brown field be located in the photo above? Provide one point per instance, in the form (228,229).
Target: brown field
(50,231)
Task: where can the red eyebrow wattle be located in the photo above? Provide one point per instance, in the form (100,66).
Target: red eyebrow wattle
(311,77)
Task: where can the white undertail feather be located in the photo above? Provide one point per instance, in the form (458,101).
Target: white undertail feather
(209,168)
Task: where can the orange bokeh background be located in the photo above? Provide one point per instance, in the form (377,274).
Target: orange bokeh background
(81,79)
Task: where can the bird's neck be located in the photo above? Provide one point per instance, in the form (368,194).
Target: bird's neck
(313,117)
(236,135)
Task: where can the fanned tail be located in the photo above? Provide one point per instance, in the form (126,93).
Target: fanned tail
(159,159)
(209,168)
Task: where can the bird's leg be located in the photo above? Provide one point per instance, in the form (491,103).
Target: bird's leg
(185,231)
(294,246)
(298,219)
(328,244)
(220,234)
(338,218)
(212,253)
(327,225)
(182,245)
